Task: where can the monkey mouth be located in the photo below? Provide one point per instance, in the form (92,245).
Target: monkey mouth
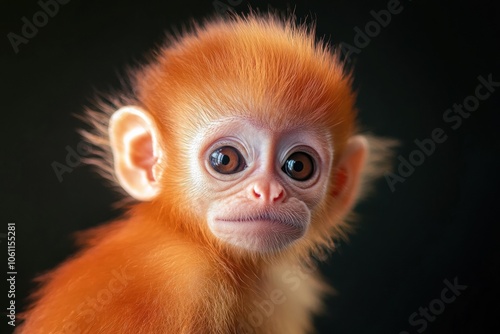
(267,219)
(258,231)
(256,234)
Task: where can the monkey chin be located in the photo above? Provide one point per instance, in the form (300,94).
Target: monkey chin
(259,234)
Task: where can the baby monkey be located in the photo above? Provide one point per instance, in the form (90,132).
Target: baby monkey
(241,149)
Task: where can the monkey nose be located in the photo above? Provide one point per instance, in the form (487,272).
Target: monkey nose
(267,191)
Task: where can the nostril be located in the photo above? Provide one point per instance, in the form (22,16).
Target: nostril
(280,196)
(256,193)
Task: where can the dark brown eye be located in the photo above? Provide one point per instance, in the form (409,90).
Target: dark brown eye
(299,166)
(227,160)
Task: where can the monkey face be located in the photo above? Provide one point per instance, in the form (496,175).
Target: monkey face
(259,185)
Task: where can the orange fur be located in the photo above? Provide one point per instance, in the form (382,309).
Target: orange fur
(158,270)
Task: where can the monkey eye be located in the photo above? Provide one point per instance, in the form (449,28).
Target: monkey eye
(299,166)
(227,160)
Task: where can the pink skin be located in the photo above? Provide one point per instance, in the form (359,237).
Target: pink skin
(260,208)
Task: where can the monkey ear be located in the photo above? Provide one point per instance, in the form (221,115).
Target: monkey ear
(348,176)
(136,152)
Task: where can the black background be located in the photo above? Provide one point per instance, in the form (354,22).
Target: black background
(441,223)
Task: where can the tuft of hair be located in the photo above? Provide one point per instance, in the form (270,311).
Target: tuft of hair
(96,117)
(378,163)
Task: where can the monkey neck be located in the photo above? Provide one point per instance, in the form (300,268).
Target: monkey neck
(217,284)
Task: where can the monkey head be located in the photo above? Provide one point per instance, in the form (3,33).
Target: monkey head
(247,127)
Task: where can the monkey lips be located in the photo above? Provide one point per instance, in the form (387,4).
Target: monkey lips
(263,231)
